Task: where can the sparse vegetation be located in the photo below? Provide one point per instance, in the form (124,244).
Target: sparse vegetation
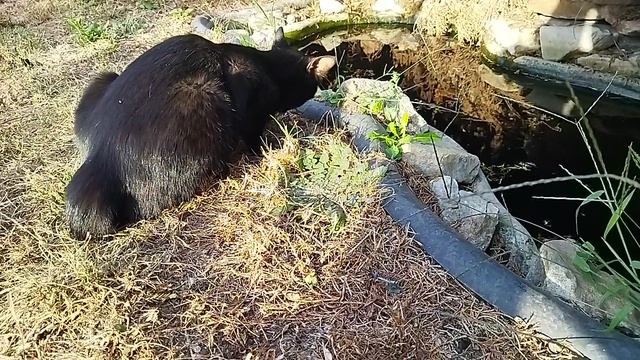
(615,196)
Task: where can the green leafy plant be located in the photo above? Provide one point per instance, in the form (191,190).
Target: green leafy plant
(333,97)
(86,32)
(330,180)
(396,135)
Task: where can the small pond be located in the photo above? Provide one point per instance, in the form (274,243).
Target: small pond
(515,141)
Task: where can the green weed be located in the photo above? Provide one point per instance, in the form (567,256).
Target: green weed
(333,97)
(396,135)
(331,179)
(86,32)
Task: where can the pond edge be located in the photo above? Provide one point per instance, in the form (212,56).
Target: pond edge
(493,282)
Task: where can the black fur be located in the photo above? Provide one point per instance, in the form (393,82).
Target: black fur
(155,134)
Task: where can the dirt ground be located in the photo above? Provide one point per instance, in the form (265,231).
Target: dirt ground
(292,256)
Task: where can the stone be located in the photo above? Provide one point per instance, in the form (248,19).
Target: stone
(513,237)
(388,7)
(202,24)
(560,280)
(263,40)
(624,19)
(237,36)
(446,159)
(259,22)
(563,279)
(331,6)
(557,42)
(358,92)
(502,38)
(566,9)
(473,217)
(612,64)
(445,188)
(452,159)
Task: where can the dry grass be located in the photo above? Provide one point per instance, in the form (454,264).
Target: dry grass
(466,19)
(283,259)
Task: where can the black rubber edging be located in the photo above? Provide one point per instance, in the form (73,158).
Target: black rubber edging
(491,281)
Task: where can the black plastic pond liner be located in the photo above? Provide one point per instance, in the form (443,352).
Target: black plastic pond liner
(491,281)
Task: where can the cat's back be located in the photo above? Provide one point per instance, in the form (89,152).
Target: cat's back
(178,76)
(169,62)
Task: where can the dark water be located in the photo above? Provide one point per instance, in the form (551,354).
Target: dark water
(530,146)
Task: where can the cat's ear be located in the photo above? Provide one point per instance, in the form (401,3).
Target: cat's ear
(320,66)
(279,41)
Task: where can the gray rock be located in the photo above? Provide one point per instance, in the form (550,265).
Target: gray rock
(473,217)
(560,278)
(237,36)
(524,257)
(445,188)
(557,42)
(263,40)
(555,103)
(452,159)
(360,91)
(564,280)
(446,159)
(202,24)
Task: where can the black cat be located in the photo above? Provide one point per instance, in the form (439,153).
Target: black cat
(155,134)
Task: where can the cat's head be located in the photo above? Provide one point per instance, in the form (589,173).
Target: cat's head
(298,75)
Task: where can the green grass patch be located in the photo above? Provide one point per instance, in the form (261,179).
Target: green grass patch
(86,31)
